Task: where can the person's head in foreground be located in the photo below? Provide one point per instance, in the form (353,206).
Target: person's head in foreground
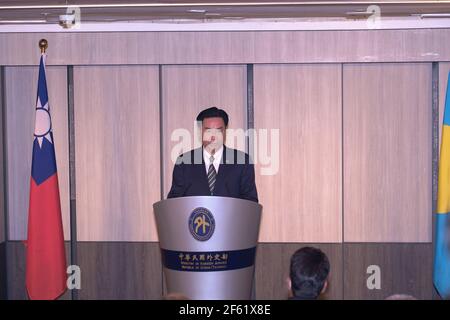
(308,276)
(214,122)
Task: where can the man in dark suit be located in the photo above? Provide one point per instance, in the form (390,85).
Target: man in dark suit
(214,169)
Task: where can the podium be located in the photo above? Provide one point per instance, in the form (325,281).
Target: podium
(208,245)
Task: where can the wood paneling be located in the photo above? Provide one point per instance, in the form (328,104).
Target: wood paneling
(405,268)
(82,48)
(117,152)
(16,271)
(20,91)
(186,90)
(133,270)
(2,165)
(302,200)
(272,269)
(120,270)
(387,153)
(3,275)
(3,294)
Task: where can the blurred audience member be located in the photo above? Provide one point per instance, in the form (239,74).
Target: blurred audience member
(309,271)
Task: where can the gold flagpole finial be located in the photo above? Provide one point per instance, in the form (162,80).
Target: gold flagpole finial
(43,44)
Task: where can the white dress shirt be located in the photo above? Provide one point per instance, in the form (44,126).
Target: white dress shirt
(217,158)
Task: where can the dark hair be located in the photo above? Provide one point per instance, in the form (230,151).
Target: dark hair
(308,272)
(213,112)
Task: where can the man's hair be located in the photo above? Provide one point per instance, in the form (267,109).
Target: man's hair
(308,272)
(213,112)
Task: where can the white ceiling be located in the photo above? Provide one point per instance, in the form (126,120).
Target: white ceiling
(138,10)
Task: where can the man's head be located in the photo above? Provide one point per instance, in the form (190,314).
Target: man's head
(309,272)
(214,123)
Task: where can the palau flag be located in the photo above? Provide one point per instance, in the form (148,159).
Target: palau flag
(46,262)
(441,277)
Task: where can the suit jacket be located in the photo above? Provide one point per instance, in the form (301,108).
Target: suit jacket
(235,179)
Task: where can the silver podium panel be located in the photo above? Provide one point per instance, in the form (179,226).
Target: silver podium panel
(208,245)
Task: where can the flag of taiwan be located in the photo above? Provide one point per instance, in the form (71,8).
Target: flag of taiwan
(46,263)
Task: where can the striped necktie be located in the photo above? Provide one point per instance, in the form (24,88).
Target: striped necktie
(211,175)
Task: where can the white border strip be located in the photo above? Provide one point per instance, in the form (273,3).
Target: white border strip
(227,4)
(238,25)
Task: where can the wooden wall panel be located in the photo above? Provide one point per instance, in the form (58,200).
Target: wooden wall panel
(405,268)
(302,201)
(120,270)
(86,48)
(16,271)
(2,164)
(272,269)
(117,152)
(186,90)
(3,275)
(20,91)
(387,153)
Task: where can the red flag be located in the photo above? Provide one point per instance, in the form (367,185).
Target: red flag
(46,260)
